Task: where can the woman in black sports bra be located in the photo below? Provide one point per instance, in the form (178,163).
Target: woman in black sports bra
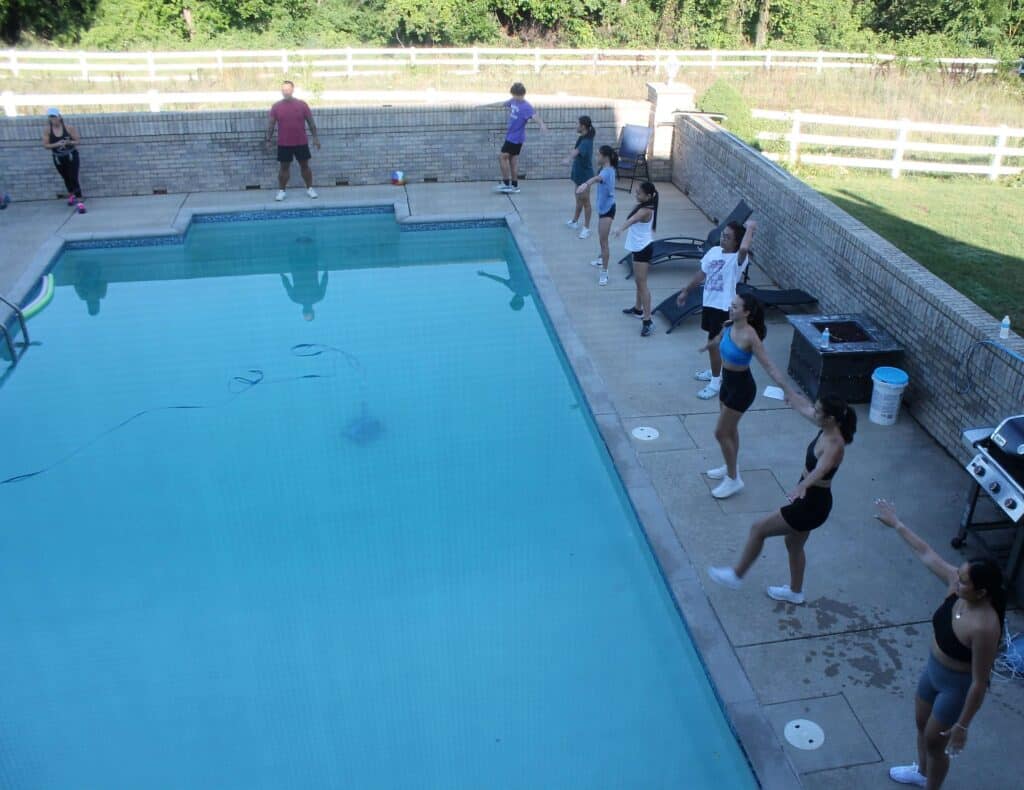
(809,503)
(62,142)
(967,628)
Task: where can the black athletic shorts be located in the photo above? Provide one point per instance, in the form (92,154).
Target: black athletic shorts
(609,214)
(738,389)
(644,255)
(712,319)
(285,153)
(811,512)
(512,149)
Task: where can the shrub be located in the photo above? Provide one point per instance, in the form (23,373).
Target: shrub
(723,98)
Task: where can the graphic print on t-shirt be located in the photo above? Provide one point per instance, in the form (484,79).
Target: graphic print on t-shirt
(721,274)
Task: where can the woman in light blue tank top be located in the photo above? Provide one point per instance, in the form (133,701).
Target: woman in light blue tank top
(608,161)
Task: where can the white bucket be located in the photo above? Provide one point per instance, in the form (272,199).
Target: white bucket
(886,395)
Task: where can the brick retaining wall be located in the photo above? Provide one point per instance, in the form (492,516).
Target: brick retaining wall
(805,241)
(139,153)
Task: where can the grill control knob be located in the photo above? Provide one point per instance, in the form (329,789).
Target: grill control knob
(1010,504)
(994,487)
(978,470)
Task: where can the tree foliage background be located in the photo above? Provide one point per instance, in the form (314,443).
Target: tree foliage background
(908,26)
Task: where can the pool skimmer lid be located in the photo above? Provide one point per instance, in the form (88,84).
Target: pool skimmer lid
(804,734)
(645,433)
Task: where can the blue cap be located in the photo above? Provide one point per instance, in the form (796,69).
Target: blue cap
(893,376)
(53,112)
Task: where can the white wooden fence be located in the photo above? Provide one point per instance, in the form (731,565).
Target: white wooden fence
(156,66)
(900,144)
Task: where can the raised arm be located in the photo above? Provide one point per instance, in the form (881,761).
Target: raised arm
(928,556)
(643,215)
(587,184)
(780,378)
(748,239)
(713,342)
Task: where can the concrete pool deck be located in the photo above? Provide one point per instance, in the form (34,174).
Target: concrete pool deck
(850,658)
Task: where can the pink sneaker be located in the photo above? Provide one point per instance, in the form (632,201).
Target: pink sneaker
(71,200)
(81,208)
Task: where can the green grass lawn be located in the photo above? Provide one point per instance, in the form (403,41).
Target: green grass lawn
(969,232)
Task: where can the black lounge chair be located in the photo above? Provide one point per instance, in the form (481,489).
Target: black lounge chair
(687,247)
(675,313)
(632,153)
(768,297)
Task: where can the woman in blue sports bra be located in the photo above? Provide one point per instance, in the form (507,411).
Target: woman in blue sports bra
(967,628)
(739,341)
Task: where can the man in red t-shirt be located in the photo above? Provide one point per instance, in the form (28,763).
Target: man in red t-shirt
(290,116)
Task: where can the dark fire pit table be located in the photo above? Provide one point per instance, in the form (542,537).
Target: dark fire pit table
(857,346)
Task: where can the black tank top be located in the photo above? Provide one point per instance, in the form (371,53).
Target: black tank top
(811,461)
(945,637)
(63,136)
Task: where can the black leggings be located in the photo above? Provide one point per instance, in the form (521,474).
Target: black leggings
(68,169)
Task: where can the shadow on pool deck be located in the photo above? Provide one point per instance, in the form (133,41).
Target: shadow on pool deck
(850,658)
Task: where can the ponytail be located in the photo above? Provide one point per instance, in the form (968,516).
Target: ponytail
(651,202)
(609,153)
(755,314)
(584,120)
(845,417)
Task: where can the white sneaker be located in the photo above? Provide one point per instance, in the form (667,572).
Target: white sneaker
(708,392)
(597,262)
(703,375)
(584,233)
(603,279)
(281,195)
(312,193)
(571,223)
(718,473)
(783,593)
(907,775)
(726,577)
(727,488)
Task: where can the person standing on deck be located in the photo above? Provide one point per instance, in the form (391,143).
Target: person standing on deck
(520,112)
(62,142)
(290,116)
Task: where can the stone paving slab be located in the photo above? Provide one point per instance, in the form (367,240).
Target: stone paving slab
(865,630)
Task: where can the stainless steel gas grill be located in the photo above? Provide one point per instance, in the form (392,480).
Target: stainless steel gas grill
(997,469)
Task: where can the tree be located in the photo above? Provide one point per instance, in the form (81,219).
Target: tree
(55,19)
(763,12)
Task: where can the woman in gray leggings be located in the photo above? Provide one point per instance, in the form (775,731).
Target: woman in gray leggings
(968,626)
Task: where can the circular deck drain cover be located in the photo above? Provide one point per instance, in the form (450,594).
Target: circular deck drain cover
(645,433)
(804,734)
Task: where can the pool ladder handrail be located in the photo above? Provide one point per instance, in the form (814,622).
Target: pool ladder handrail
(11,345)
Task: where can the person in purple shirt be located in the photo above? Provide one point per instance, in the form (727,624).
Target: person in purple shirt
(520,112)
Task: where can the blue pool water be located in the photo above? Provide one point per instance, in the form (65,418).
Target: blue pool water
(417,569)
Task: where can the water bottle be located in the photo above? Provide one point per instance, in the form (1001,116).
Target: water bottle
(1004,328)
(825,338)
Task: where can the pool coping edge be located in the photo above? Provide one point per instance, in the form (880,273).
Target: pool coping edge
(771,766)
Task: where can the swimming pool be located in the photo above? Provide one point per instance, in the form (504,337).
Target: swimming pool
(378,546)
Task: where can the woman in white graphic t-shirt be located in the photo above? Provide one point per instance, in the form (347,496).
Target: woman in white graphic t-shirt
(720,271)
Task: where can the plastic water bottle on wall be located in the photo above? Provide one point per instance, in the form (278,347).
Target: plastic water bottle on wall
(1004,328)
(825,338)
